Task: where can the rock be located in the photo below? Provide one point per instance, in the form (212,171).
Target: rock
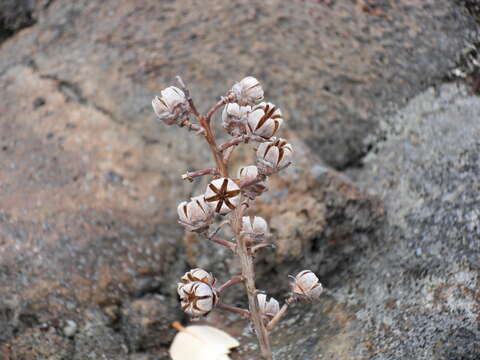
(330,68)
(146,321)
(35,344)
(70,328)
(89,181)
(97,338)
(391,301)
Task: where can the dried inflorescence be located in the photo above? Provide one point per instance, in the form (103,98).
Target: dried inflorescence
(246,121)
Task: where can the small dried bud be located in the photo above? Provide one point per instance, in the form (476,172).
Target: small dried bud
(195,215)
(197,298)
(268,308)
(248,91)
(307,285)
(247,173)
(273,156)
(198,275)
(264,120)
(256,229)
(234,118)
(171,106)
(222,195)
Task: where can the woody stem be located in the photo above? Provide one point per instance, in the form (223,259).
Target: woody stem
(276,319)
(231,282)
(246,261)
(213,146)
(234,309)
(235,141)
(190,175)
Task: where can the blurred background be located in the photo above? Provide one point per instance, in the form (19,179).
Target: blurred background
(380,101)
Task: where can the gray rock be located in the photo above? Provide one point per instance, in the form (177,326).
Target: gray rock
(90,182)
(70,328)
(393,301)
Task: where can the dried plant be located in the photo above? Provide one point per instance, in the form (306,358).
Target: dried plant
(245,121)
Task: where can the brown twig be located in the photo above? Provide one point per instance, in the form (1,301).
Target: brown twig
(254,248)
(223,242)
(248,273)
(231,282)
(280,314)
(257,180)
(235,141)
(188,97)
(214,108)
(191,175)
(234,310)
(191,127)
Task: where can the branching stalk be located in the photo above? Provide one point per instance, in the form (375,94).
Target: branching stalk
(276,319)
(234,309)
(248,273)
(231,282)
(231,196)
(191,175)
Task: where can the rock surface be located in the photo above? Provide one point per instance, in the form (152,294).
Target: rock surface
(89,182)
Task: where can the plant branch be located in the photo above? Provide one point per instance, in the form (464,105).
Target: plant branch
(191,175)
(231,282)
(223,242)
(234,309)
(254,248)
(188,97)
(257,180)
(190,126)
(235,141)
(213,146)
(246,262)
(276,319)
(215,107)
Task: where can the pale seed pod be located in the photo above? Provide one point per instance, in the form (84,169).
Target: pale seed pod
(197,298)
(247,173)
(268,308)
(307,285)
(273,156)
(264,120)
(256,229)
(171,106)
(234,118)
(247,91)
(195,215)
(222,195)
(198,274)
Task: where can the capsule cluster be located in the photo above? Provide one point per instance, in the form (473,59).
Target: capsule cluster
(243,115)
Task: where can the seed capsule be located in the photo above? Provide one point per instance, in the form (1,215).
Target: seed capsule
(222,195)
(307,285)
(248,91)
(197,298)
(273,156)
(198,274)
(234,118)
(171,106)
(268,308)
(264,120)
(247,173)
(256,229)
(195,215)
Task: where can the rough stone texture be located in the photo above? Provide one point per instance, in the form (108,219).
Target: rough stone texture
(89,182)
(414,292)
(330,67)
